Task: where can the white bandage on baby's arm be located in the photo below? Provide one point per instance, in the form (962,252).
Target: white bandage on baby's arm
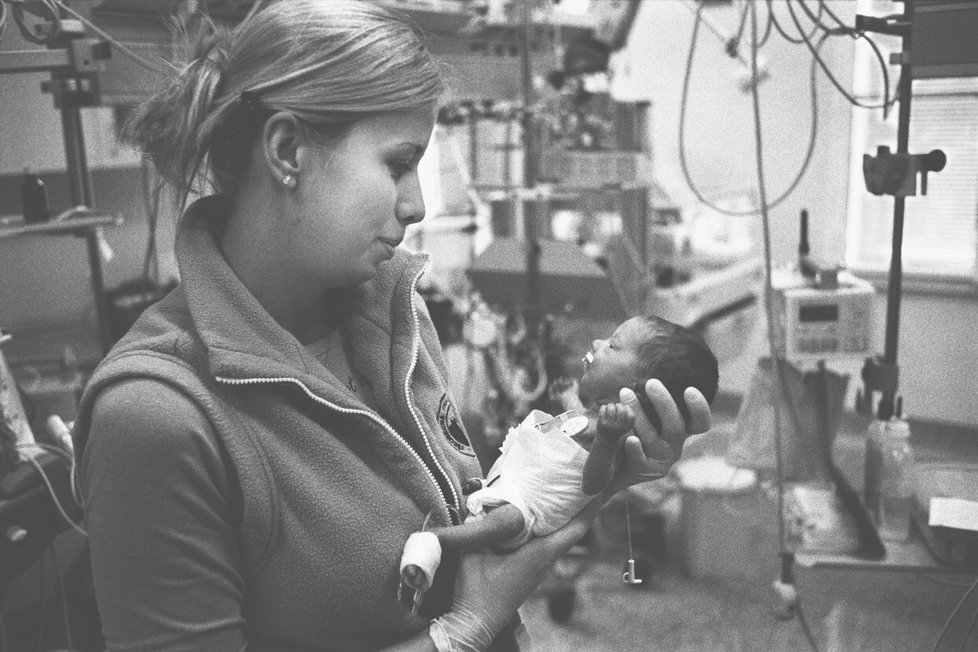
(424,551)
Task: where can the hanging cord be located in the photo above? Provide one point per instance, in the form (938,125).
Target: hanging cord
(683,104)
(787,557)
(806,39)
(47,482)
(64,598)
(947,623)
(781,30)
(628,528)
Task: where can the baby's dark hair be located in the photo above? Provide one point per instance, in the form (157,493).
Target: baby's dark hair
(679,358)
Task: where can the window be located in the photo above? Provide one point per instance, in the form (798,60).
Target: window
(940,241)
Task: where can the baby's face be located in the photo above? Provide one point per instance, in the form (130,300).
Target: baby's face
(613,363)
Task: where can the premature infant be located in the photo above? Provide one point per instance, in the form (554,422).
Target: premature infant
(552,467)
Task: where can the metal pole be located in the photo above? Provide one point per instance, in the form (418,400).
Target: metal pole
(894,287)
(530,177)
(82,194)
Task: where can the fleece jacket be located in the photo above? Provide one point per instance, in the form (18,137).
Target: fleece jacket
(237,494)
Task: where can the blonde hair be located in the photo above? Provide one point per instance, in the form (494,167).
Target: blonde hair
(328,62)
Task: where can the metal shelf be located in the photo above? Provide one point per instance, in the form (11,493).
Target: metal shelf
(77,226)
(911,556)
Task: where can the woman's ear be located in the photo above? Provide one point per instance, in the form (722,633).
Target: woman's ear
(281,139)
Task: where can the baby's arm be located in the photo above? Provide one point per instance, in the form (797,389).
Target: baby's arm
(614,421)
(422,552)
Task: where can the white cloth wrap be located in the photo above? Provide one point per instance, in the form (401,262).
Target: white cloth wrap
(539,473)
(423,550)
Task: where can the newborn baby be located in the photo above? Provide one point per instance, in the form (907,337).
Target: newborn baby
(552,467)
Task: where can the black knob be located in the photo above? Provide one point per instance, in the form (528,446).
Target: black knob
(935,160)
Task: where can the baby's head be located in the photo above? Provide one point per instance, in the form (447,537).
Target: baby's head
(649,347)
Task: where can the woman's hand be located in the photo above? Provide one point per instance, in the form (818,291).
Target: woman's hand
(490,587)
(648,454)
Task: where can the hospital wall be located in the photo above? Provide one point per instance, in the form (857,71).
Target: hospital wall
(44,282)
(938,344)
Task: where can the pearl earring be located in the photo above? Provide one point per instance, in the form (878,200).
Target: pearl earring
(288,181)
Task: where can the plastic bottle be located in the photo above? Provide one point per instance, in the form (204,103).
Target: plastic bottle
(889,488)
(34,198)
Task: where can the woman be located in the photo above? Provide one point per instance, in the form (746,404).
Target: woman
(257,449)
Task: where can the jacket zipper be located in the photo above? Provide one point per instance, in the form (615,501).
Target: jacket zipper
(369,415)
(455,504)
(450,507)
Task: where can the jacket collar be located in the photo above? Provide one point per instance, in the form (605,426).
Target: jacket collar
(241,337)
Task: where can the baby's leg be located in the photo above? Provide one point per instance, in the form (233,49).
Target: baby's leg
(422,552)
(614,420)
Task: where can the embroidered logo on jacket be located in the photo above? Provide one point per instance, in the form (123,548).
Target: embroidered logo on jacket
(451,426)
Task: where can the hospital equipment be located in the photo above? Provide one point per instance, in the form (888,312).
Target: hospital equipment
(817,323)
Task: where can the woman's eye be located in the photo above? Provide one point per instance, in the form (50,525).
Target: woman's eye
(399,168)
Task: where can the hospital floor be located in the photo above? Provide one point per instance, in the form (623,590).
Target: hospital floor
(714,594)
(673,611)
(705,589)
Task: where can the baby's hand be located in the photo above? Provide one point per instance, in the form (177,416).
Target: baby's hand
(615,419)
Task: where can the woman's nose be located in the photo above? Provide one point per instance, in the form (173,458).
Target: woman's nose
(410,203)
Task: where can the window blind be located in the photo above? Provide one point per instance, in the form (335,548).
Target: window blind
(940,232)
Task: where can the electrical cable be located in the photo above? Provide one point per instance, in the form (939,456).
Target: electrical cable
(825,68)
(941,581)
(768,284)
(805,628)
(740,28)
(64,598)
(784,553)
(767,28)
(54,497)
(971,628)
(887,102)
(828,10)
(50,487)
(844,28)
(40,604)
(777,25)
(817,19)
(687,175)
(954,612)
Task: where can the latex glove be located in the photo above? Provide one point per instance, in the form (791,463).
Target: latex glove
(649,454)
(490,587)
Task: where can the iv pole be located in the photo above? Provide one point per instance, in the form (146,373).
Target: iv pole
(882,373)
(74,63)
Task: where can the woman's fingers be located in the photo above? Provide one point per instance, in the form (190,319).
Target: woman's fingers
(652,445)
(700,418)
(673,425)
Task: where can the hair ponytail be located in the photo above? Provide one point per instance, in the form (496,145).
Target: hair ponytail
(174,127)
(328,62)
